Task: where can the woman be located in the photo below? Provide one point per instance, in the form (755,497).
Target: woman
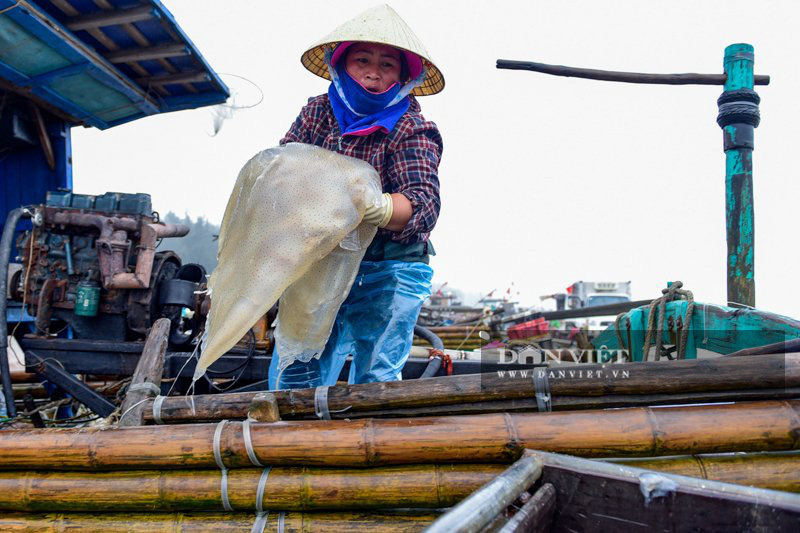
(376,64)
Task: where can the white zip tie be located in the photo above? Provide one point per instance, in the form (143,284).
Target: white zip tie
(226,504)
(146,386)
(262,484)
(541,385)
(261,522)
(248,443)
(281,521)
(157,409)
(261,515)
(321,403)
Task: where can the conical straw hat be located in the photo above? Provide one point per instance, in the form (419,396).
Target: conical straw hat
(382,25)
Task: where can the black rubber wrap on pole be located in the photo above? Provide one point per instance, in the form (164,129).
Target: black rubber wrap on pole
(436,363)
(5,254)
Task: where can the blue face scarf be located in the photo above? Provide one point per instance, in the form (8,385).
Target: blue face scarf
(361,112)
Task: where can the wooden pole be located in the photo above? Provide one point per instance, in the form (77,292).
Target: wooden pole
(776,371)
(624,77)
(489,438)
(572,403)
(208,408)
(483,505)
(146,381)
(536,515)
(286,489)
(776,470)
(215,522)
(738,117)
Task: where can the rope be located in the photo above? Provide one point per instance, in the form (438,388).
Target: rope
(248,443)
(541,385)
(669,295)
(226,504)
(131,408)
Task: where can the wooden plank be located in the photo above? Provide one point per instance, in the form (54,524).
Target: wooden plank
(69,383)
(147,374)
(183,77)
(150,52)
(110,18)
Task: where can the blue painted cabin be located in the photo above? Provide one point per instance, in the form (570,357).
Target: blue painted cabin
(97,63)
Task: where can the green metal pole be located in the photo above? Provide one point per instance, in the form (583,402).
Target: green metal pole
(738,117)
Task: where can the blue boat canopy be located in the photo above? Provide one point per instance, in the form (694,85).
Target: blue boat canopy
(102,62)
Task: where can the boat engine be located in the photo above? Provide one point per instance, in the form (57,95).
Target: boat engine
(90,263)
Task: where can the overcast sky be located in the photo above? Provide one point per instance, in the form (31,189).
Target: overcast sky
(545,180)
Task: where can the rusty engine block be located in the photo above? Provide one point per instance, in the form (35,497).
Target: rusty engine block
(110,239)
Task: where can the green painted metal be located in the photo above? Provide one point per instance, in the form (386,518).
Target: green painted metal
(87,298)
(715,328)
(738,142)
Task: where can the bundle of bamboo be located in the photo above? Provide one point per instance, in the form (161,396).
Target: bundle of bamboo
(357,473)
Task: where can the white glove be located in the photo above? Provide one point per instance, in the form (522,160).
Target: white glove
(380,214)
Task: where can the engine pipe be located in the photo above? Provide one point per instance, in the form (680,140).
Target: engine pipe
(436,361)
(5,254)
(112,246)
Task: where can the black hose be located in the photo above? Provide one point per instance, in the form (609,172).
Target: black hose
(5,253)
(436,363)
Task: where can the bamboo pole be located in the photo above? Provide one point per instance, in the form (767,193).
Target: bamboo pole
(776,470)
(286,489)
(214,522)
(778,371)
(491,438)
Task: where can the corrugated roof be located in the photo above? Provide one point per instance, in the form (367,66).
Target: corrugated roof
(104,62)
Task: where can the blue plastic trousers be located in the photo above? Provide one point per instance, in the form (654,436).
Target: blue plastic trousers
(375,324)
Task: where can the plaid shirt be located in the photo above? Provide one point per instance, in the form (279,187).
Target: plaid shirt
(407,159)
